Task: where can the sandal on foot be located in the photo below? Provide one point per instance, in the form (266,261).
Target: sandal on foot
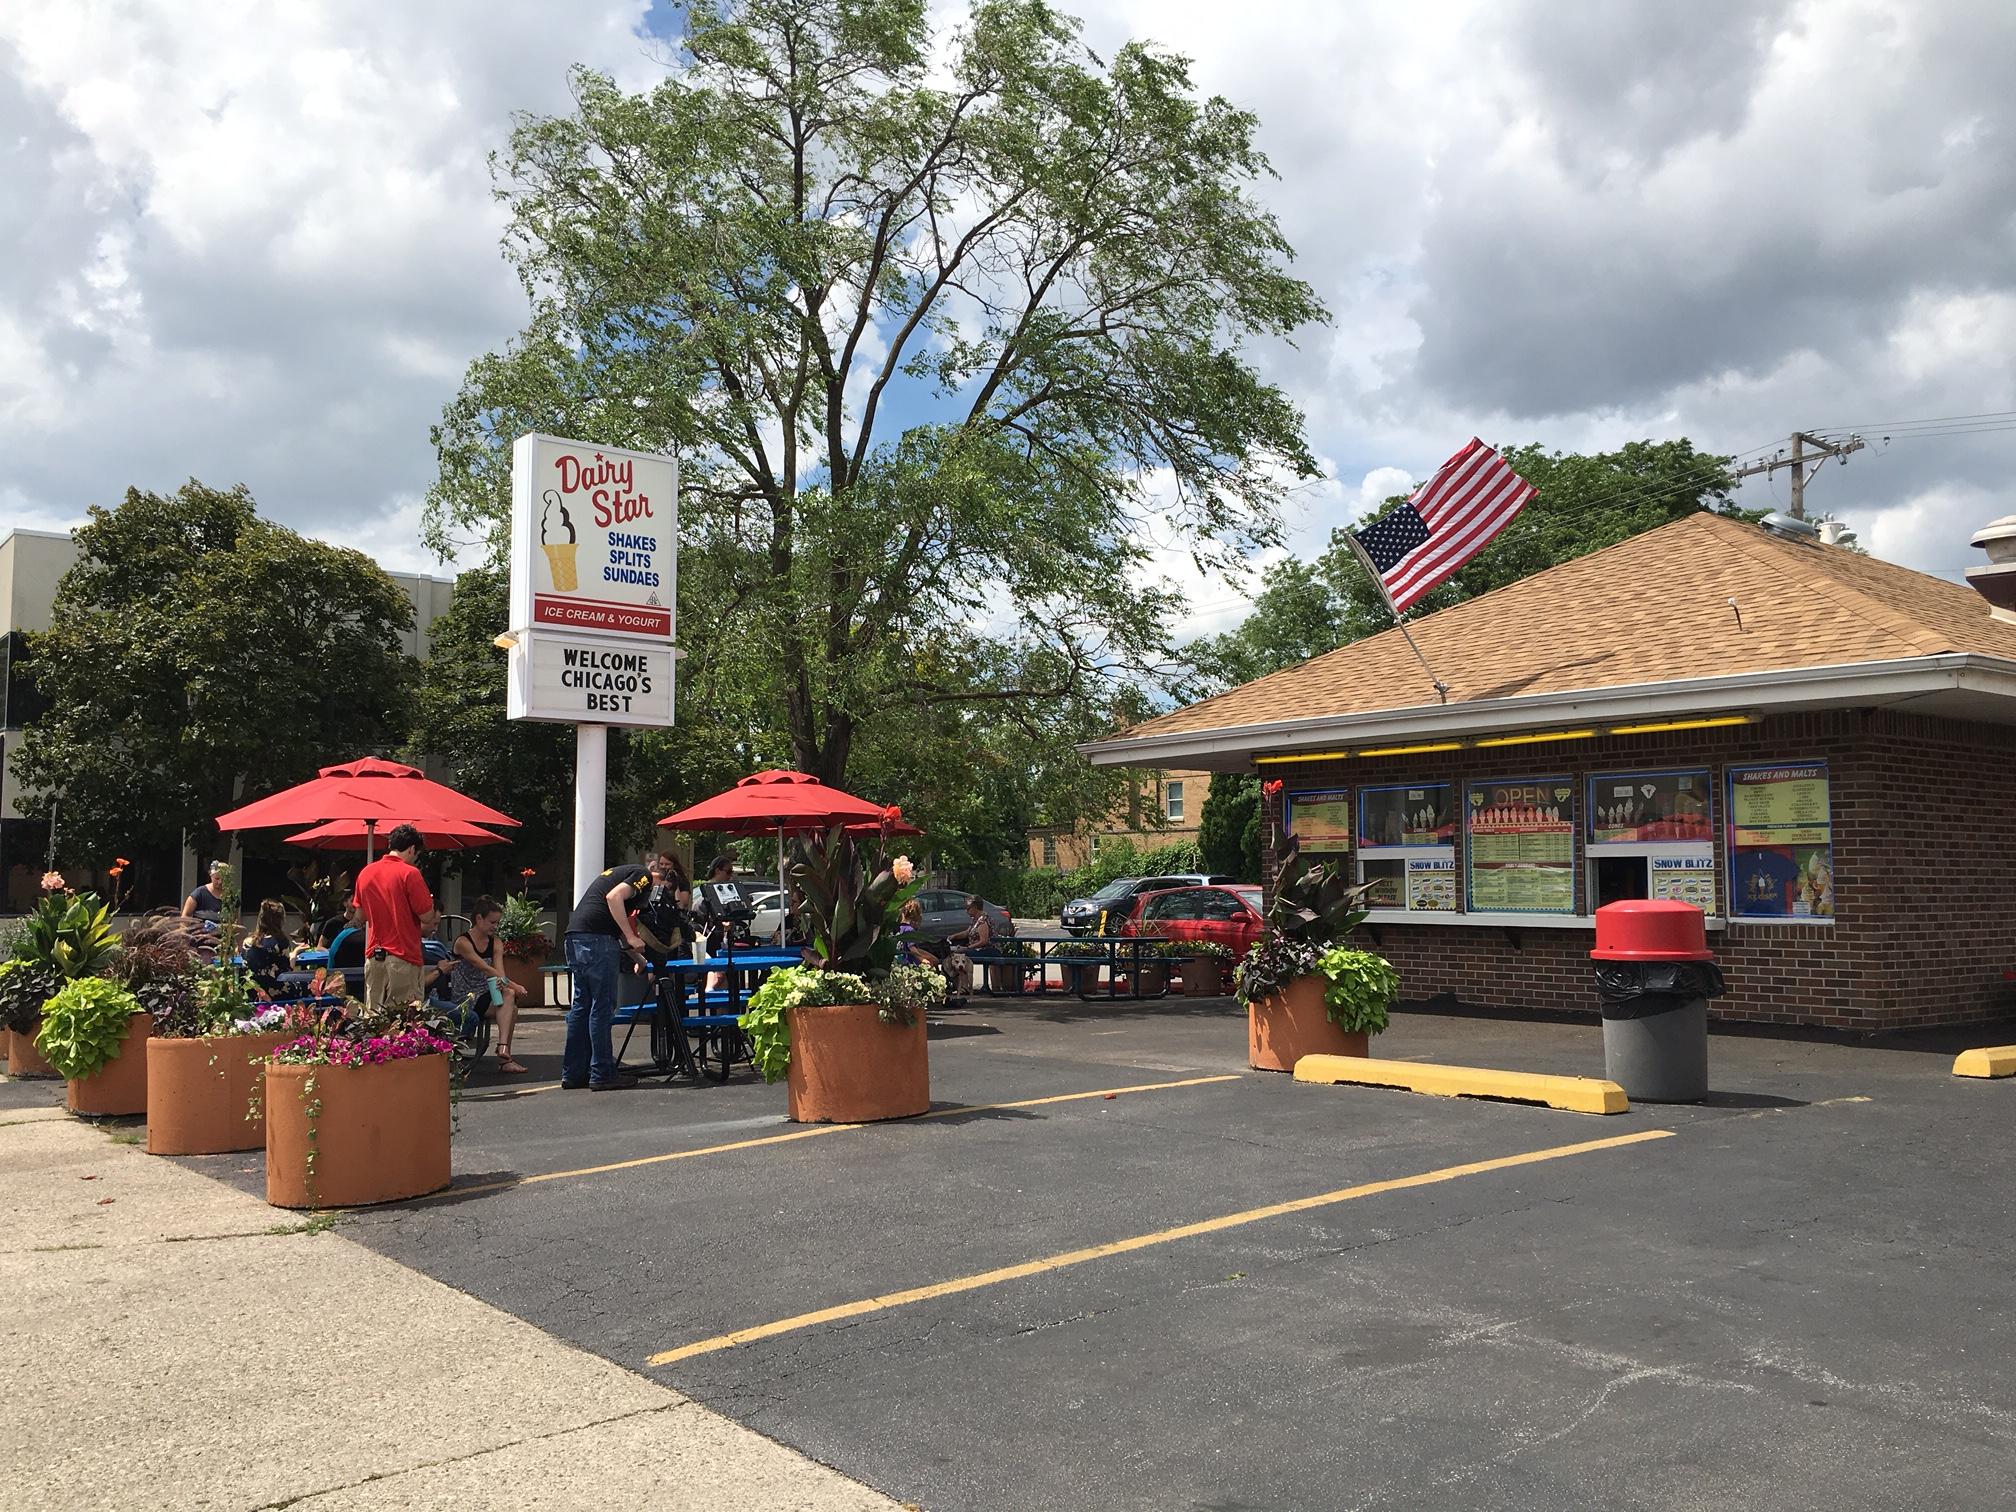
(507,1066)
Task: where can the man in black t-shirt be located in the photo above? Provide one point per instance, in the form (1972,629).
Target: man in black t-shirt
(601,929)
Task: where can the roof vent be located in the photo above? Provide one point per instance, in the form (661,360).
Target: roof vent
(1995,579)
(1790,527)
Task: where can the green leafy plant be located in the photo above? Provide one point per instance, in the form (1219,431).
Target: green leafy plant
(71,933)
(848,902)
(1203,950)
(1271,965)
(1314,901)
(1358,988)
(767,1019)
(24,987)
(314,894)
(84,1025)
(519,928)
(230,891)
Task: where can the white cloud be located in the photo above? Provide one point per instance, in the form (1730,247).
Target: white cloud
(256,243)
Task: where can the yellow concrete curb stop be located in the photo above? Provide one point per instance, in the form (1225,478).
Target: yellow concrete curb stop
(1990,1060)
(1574,1094)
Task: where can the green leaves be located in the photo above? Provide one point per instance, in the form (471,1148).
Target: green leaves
(70,934)
(1314,902)
(1358,988)
(1047,264)
(194,644)
(84,1025)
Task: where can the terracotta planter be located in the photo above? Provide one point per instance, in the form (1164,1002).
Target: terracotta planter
(1083,978)
(1004,979)
(200,1091)
(1154,978)
(524,970)
(118,1088)
(847,1066)
(380,1133)
(23,1059)
(1280,1030)
(1204,976)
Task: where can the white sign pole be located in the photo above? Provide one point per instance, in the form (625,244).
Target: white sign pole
(591,791)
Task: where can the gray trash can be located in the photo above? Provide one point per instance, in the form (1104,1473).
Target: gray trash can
(1655,1026)
(1655,974)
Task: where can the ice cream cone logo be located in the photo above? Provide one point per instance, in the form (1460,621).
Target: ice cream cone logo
(560,555)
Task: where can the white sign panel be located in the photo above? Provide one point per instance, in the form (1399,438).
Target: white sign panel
(572,679)
(594,539)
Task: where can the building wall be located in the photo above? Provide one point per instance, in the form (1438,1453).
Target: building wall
(1134,822)
(1923,817)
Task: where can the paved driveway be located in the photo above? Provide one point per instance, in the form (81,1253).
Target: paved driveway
(1115,1268)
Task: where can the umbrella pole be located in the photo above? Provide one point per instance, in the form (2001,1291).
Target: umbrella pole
(370,829)
(783,890)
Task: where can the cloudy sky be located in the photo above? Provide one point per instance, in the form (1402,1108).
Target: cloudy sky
(256,243)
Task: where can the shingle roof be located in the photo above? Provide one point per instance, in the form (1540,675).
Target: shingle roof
(1651,609)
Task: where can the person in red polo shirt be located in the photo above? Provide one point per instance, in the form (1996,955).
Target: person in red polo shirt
(397,906)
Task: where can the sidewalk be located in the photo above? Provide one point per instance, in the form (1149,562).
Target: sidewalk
(172,1342)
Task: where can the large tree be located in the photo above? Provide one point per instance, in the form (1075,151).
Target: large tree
(937,334)
(197,651)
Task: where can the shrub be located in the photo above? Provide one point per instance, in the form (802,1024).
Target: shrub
(84,1025)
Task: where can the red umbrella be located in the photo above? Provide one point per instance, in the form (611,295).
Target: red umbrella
(379,794)
(774,801)
(355,835)
(780,802)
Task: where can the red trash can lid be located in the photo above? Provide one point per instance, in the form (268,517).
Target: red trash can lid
(1651,929)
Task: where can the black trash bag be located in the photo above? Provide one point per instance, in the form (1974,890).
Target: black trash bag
(1638,989)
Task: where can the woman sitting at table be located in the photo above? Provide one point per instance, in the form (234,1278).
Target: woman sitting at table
(267,951)
(476,977)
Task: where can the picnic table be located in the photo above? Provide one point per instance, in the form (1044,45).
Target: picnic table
(1078,958)
(691,1027)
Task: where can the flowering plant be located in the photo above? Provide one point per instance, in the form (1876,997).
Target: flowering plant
(52,881)
(406,1042)
(519,928)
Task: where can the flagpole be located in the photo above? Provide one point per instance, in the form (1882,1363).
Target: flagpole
(1441,688)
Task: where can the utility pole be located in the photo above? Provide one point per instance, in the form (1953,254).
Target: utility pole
(1799,461)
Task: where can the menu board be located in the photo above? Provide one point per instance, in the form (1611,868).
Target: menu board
(1781,842)
(1685,879)
(1424,814)
(1321,821)
(1649,808)
(1431,885)
(1521,846)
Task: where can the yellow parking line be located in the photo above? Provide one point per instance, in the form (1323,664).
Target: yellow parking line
(506,1093)
(811,1133)
(1138,1242)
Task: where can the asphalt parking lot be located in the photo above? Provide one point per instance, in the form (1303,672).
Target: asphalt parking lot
(1215,1288)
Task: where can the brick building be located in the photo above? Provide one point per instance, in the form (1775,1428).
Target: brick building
(1162,808)
(1817,747)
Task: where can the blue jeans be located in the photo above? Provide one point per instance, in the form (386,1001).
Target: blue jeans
(594,960)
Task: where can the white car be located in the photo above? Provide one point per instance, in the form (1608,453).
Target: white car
(769,914)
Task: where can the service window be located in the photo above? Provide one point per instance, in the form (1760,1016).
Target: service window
(1519,850)
(1781,843)
(1650,835)
(1407,846)
(1321,820)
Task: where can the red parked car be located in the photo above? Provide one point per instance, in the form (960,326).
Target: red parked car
(1228,915)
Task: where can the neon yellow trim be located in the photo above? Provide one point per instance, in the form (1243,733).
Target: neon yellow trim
(1512,740)
(1684,724)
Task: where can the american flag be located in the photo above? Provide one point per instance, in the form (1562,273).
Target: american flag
(1449,519)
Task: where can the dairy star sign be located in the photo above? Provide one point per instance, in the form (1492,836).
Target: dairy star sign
(594,583)
(594,539)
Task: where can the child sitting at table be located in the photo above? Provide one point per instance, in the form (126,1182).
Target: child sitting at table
(267,951)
